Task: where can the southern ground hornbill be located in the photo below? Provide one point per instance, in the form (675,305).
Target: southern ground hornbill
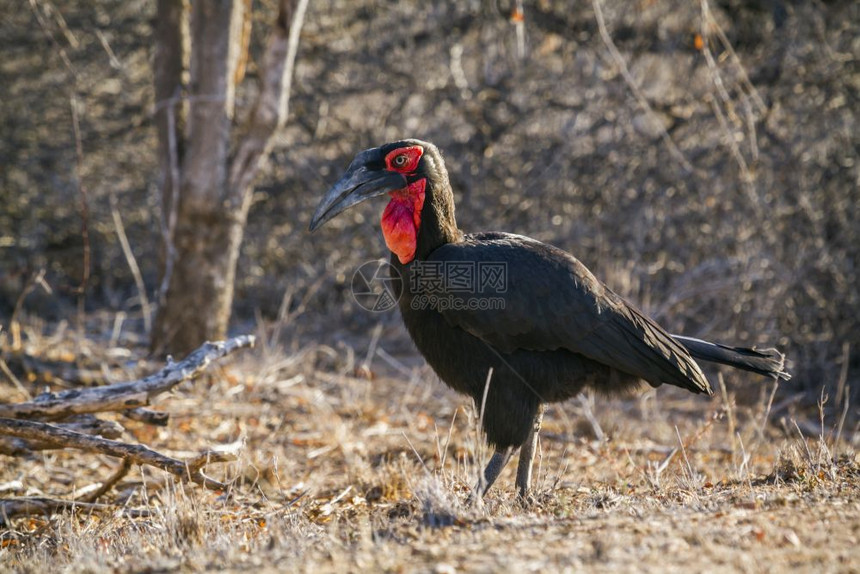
(552,329)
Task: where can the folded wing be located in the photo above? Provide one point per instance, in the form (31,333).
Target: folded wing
(552,301)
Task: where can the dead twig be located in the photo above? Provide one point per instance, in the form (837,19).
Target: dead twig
(637,93)
(132,264)
(270,109)
(190,470)
(586,403)
(727,46)
(85,424)
(13,507)
(46,29)
(4,368)
(124,396)
(708,22)
(85,214)
(120,473)
(843,374)
(114,61)
(746,174)
(37,279)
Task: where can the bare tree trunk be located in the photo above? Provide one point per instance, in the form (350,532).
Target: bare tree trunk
(215,190)
(193,307)
(171,41)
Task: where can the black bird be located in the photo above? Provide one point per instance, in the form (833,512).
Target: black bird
(512,322)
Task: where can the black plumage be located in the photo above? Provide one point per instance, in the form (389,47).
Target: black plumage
(553,329)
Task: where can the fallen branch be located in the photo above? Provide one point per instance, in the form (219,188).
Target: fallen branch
(22,437)
(118,475)
(190,470)
(123,396)
(12,507)
(84,424)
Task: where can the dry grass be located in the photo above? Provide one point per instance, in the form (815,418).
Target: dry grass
(341,472)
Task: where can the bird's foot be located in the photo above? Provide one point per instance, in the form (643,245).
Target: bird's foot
(476,495)
(526,499)
(475,499)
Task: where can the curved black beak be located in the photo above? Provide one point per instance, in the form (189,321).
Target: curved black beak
(358,184)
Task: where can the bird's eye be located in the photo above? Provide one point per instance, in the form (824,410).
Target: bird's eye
(403,159)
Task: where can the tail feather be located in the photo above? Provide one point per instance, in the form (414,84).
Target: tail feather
(769,362)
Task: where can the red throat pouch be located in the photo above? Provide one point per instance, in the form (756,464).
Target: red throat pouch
(402,219)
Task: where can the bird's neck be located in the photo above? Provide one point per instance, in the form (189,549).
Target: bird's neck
(438,227)
(438,224)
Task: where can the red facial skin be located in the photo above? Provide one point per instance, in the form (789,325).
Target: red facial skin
(402,216)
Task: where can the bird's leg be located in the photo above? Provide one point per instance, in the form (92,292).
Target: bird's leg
(527,455)
(491,473)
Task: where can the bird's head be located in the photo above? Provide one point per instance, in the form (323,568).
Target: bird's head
(408,171)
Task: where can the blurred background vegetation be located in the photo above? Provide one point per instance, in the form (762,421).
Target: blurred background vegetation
(750,236)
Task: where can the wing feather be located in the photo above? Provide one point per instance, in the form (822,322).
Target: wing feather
(552,301)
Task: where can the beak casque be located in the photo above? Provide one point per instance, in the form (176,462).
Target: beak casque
(358,184)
